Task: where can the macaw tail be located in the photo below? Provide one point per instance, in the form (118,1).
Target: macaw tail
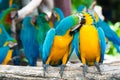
(47,44)
(109,33)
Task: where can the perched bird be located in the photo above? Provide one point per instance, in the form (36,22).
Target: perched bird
(109,33)
(28,36)
(95,38)
(57,16)
(5,37)
(6,44)
(57,45)
(43,27)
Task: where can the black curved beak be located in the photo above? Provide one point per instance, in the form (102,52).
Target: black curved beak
(78,26)
(14,14)
(34,20)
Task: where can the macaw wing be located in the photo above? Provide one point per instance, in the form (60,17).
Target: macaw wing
(29,41)
(48,44)
(102,43)
(109,33)
(3,53)
(75,45)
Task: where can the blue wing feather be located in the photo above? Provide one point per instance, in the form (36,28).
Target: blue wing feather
(75,44)
(3,53)
(47,44)
(109,33)
(102,43)
(29,41)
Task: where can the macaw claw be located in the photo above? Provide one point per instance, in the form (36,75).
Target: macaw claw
(85,67)
(61,70)
(97,65)
(45,69)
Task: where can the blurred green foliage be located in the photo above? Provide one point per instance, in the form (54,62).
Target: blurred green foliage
(18,2)
(77,3)
(112,50)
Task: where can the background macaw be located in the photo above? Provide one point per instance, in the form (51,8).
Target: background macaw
(5,40)
(95,38)
(43,27)
(57,45)
(28,36)
(56,17)
(6,19)
(59,15)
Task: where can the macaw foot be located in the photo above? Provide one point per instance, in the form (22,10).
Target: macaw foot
(45,69)
(97,65)
(85,68)
(61,70)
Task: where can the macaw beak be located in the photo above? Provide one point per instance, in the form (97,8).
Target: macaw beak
(34,20)
(82,21)
(47,18)
(75,27)
(54,14)
(14,14)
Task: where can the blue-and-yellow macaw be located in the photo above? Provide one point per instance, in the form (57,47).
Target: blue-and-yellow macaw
(57,16)
(57,46)
(6,44)
(28,36)
(91,43)
(109,33)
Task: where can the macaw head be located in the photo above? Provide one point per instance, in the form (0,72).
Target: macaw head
(81,8)
(42,18)
(8,16)
(70,23)
(58,14)
(82,21)
(27,21)
(11,42)
(94,14)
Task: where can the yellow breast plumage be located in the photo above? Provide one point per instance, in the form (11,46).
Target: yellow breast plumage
(89,43)
(59,48)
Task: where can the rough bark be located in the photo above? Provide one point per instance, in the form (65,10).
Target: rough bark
(73,71)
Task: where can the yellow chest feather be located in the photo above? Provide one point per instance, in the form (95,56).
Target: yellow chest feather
(89,42)
(60,47)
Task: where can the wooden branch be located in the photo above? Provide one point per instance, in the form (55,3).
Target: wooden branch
(73,71)
(28,8)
